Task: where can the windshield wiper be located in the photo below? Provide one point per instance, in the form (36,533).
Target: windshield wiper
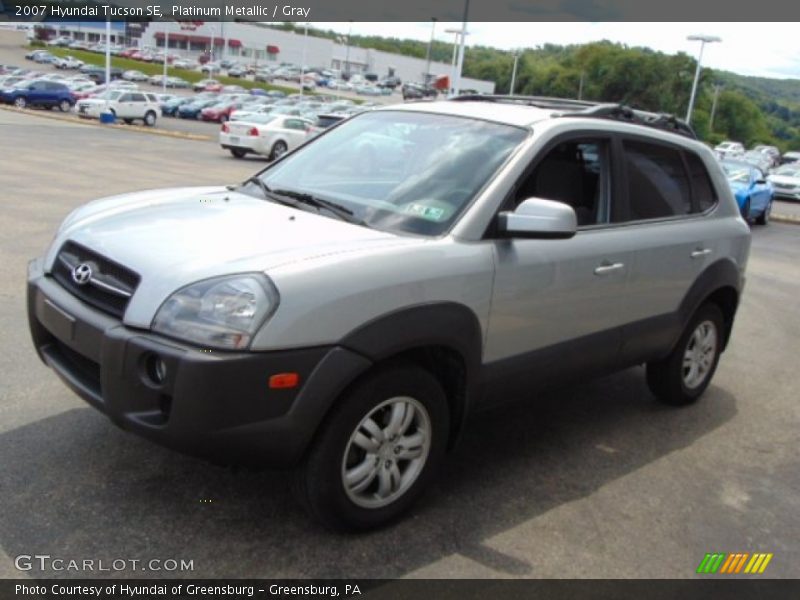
(342,212)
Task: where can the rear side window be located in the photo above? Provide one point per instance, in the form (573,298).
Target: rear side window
(657,183)
(702,189)
(137,98)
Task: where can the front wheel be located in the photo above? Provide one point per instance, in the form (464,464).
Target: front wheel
(150,119)
(763,218)
(65,106)
(20,102)
(377,451)
(746,210)
(683,376)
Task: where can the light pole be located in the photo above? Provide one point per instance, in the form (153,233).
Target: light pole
(514,73)
(303,62)
(703,39)
(427,77)
(459,34)
(460,67)
(347,53)
(166,55)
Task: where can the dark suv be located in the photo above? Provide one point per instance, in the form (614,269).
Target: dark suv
(47,94)
(416,91)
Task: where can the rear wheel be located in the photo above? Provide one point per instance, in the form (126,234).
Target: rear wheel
(150,119)
(377,450)
(763,218)
(20,102)
(683,376)
(238,152)
(279,148)
(65,106)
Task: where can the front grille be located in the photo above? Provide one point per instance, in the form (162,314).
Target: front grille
(84,369)
(110,285)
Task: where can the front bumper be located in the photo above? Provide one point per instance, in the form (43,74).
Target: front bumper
(787,193)
(213,404)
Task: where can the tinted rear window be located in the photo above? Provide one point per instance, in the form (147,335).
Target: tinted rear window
(657,183)
(703,190)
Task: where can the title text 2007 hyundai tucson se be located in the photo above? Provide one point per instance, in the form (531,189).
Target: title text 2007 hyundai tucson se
(342,311)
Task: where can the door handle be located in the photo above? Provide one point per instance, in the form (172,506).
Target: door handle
(700,252)
(606,268)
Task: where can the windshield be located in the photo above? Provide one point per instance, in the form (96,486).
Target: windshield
(736,173)
(400,171)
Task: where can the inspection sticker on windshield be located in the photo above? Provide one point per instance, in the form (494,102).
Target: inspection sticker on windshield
(432,213)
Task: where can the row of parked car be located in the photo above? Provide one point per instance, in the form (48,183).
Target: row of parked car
(764,170)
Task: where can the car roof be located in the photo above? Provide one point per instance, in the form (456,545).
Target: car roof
(508,114)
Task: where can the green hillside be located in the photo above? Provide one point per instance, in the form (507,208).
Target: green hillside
(749,109)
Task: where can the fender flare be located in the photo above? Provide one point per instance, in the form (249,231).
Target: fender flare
(723,273)
(448,325)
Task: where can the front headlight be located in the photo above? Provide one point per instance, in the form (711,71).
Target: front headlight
(224,312)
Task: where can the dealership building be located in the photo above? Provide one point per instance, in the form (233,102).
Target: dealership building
(253,43)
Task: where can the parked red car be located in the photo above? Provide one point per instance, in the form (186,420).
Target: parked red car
(220,112)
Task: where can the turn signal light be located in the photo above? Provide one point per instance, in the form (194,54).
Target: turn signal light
(282,381)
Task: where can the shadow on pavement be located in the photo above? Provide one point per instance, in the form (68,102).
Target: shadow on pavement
(76,487)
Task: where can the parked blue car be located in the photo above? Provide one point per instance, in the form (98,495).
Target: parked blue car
(753,192)
(46,94)
(170,107)
(192,110)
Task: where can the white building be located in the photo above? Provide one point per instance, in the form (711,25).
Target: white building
(257,44)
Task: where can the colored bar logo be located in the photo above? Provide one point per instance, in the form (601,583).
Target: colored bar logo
(731,564)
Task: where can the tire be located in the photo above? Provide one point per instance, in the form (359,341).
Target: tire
(21,102)
(127,121)
(65,106)
(238,152)
(388,391)
(763,218)
(279,148)
(150,119)
(678,379)
(746,210)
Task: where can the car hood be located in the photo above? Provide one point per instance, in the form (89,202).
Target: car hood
(784,180)
(175,237)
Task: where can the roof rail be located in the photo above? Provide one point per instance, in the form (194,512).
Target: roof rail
(581,108)
(537,101)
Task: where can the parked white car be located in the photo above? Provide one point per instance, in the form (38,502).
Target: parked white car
(786,181)
(126,105)
(729,149)
(67,62)
(134,75)
(269,135)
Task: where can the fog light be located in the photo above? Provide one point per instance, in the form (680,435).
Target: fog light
(156,369)
(282,381)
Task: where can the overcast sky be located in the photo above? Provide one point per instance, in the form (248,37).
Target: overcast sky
(763,49)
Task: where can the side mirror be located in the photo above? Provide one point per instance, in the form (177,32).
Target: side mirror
(538,218)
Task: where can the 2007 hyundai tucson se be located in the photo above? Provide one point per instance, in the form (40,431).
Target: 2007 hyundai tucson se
(343,310)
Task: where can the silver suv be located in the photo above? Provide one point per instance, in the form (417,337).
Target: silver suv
(346,308)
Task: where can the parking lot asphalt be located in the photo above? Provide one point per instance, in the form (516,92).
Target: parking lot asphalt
(12,51)
(597,480)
